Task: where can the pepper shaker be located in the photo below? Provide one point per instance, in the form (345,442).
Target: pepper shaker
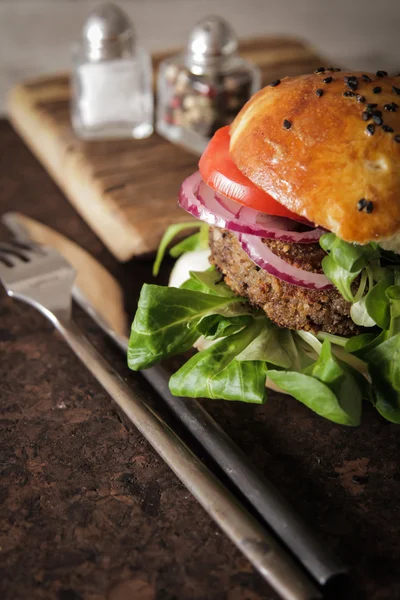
(204,87)
(112,93)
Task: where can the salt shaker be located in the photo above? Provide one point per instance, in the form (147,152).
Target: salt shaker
(112,93)
(204,87)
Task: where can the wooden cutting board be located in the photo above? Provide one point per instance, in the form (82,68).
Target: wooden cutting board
(126,190)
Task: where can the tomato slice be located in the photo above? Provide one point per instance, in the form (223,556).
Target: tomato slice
(220,172)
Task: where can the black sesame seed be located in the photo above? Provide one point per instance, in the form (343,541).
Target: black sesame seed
(320,70)
(366,78)
(334,69)
(377,113)
(327,79)
(353,85)
(387,128)
(275,83)
(377,119)
(360,99)
(361,204)
(348,94)
(365,204)
(390,107)
(319,92)
(396,90)
(397,138)
(287,124)
(366,116)
(371,106)
(381,74)
(377,90)
(370,129)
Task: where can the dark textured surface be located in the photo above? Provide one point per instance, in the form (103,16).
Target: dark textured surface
(88,511)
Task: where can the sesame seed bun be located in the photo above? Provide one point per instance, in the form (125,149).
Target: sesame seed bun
(313,153)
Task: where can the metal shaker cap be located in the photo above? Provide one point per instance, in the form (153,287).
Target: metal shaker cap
(108,33)
(211,42)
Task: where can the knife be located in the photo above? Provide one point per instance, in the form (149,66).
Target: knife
(100,295)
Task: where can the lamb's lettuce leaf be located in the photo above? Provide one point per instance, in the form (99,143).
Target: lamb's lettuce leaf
(216,372)
(326,387)
(360,315)
(384,368)
(341,278)
(377,303)
(214,327)
(166,322)
(197,241)
(393,295)
(212,282)
(271,345)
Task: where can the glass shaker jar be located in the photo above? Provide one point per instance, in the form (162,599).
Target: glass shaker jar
(204,87)
(112,94)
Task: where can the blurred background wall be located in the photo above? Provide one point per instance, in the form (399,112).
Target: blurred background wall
(36,35)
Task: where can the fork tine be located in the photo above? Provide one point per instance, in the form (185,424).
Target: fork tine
(15,250)
(6,260)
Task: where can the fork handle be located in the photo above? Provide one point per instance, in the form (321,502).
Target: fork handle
(270,559)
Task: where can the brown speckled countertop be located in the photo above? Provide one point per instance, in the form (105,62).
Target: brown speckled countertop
(88,510)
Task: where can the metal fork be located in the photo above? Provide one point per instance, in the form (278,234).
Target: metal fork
(44,279)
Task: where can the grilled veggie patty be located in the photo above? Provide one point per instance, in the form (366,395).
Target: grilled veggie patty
(287,305)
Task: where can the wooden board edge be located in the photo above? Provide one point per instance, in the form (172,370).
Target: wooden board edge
(115,234)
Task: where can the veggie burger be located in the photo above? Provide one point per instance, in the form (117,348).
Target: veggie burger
(298,208)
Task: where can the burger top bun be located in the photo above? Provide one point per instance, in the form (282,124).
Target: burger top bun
(315,145)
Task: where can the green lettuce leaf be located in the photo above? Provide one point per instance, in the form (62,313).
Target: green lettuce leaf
(339,276)
(214,327)
(393,295)
(360,315)
(212,282)
(216,372)
(325,387)
(193,242)
(270,345)
(166,322)
(377,303)
(384,368)
(351,257)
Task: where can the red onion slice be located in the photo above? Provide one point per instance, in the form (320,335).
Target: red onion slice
(262,256)
(197,198)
